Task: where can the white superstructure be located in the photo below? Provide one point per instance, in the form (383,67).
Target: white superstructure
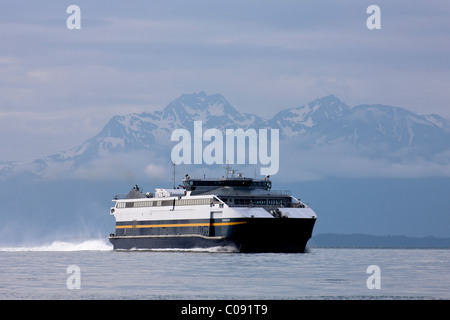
(220,210)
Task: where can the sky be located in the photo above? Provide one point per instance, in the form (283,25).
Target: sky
(59,87)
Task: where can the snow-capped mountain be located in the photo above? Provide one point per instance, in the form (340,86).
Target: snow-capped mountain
(372,129)
(213,110)
(296,121)
(378,129)
(142,131)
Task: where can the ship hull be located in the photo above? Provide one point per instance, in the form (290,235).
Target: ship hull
(240,235)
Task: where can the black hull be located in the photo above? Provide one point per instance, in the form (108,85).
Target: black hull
(242,235)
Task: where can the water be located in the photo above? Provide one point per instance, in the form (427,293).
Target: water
(41,273)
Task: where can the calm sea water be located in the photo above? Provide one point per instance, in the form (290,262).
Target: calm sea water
(41,273)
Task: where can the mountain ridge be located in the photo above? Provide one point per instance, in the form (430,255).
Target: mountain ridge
(373,130)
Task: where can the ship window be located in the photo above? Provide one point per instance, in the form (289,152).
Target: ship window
(166,202)
(139,204)
(242,202)
(181,202)
(276,202)
(143,204)
(197,202)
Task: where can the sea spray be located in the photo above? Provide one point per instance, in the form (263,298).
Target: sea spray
(87,245)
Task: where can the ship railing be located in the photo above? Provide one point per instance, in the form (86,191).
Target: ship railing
(119,196)
(285,192)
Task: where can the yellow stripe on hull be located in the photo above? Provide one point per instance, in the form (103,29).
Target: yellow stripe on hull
(179,225)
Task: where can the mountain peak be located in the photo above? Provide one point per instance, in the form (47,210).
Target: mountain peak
(200,106)
(189,103)
(298,120)
(330,102)
(331,99)
(197,100)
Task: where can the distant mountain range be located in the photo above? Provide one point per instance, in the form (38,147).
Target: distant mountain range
(332,240)
(375,131)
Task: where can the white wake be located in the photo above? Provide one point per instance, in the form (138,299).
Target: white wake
(227,249)
(87,245)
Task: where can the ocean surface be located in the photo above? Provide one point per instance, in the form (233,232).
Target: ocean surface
(92,270)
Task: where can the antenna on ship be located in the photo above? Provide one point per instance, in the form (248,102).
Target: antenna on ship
(173,164)
(228,168)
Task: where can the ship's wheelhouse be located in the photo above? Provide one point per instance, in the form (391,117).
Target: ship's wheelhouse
(239,183)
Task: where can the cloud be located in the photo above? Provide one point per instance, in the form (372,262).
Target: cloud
(343,160)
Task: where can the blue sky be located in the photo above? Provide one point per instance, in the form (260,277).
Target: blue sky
(59,87)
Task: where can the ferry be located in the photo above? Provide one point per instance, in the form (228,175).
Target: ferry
(234,213)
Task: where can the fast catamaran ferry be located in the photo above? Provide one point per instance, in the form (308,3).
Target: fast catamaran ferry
(237,213)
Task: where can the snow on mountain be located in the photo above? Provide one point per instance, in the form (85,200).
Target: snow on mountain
(437,121)
(386,129)
(213,110)
(373,129)
(295,121)
(379,130)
